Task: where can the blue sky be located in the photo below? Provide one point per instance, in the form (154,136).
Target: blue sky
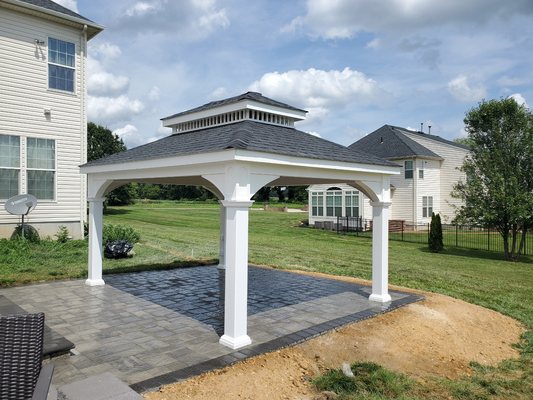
(353,64)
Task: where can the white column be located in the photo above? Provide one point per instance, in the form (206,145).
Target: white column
(380,251)
(236,282)
(96,206)
(222,242)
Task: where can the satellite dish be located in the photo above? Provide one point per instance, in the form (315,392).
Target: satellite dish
(21,204)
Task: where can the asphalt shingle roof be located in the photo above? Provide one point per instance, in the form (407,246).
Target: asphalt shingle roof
(245,96)
(247,135)
(391,142)
(52,6)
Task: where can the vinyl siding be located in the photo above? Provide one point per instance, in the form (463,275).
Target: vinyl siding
(449,173)
(402,195)
(24,95)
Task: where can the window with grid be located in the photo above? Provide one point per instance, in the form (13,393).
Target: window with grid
(317,204)
(421,170)
(408,169)
(334,203)
(9,166)
(427,206)
(40,168)
(61,65)
(352,203)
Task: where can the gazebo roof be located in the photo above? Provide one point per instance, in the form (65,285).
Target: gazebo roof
(244,135)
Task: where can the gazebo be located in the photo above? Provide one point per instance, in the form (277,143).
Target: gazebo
(233,148)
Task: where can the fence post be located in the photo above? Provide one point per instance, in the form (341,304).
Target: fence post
(429,227)
(456,235)
(402,228)
(488,238)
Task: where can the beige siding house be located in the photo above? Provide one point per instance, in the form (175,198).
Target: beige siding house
(429,172)
(43,125)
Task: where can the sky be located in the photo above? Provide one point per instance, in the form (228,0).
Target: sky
(355,65)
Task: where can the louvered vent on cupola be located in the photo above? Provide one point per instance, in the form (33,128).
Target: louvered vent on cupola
(250,106)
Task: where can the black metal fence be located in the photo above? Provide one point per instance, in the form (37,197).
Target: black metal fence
(461,236)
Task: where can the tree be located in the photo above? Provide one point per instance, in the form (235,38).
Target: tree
(101,142)
(435,242)
(465,141)
(498,191)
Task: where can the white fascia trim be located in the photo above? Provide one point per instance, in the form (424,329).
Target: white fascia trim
(54,13)
(193,159)
(240,105)
(267,158)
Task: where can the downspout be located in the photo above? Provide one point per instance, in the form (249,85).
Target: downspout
(415,182)
(83,132)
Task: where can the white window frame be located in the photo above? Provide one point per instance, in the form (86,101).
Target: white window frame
(427,206)
(57,64)
(411,169)
(54,170)
(317,204)
(352,204)
(333,210)
(421,170)
(19,168)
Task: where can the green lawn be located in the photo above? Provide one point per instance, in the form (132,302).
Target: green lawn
(176,234)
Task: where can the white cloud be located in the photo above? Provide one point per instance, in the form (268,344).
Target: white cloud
(112,109)
(154,93)
(519,99)
(185,19)
(318,91)
(133,138)
(219,93)
(314,134)
(106,50)
(345,18)
(70,4)
(463,90)
(511,81)
(103,83)
(374,43)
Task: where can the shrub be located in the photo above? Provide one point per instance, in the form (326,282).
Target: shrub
(30,233)
(62,234)
(435,234)
(120,232)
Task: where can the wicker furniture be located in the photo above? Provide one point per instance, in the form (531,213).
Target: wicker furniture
(21,353)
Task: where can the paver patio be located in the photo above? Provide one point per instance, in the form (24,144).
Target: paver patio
(156,327)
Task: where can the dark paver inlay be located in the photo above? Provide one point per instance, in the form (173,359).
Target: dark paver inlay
(198,292)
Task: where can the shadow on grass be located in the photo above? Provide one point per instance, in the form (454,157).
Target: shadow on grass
(160,267)
(116,211)
(486,255)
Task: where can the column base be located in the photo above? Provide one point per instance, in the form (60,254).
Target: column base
(94,282)
(221,266)
(380,298)
(235,343)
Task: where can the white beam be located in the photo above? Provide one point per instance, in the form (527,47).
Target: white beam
(236,282)
(380,251)
(96,206)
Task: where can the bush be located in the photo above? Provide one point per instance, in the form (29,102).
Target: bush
(435,234)
(30,233)
(120,232)
(62,234)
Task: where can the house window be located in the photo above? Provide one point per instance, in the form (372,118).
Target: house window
(317,204)
(334,202)
(408,169)
(427,206)
(421,170)
(9,166)
(61,65)
(41,168)
(352,203)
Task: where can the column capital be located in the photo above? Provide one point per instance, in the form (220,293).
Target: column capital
(96,199)
(236,204)
(384,204)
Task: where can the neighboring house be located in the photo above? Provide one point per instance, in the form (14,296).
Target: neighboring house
(429,172)
(43,123)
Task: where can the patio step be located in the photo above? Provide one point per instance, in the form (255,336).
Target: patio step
(98,387)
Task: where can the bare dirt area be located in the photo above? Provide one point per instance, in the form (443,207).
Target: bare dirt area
(438,336)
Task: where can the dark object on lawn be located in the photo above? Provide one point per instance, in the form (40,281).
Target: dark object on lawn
(435,234)
(30,234)
(21,354)
(117,249)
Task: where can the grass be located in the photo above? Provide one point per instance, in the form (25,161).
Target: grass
(174,235)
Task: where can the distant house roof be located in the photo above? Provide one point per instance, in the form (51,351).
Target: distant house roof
(53,8)
(246,135)
(393,142)
(258,97)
